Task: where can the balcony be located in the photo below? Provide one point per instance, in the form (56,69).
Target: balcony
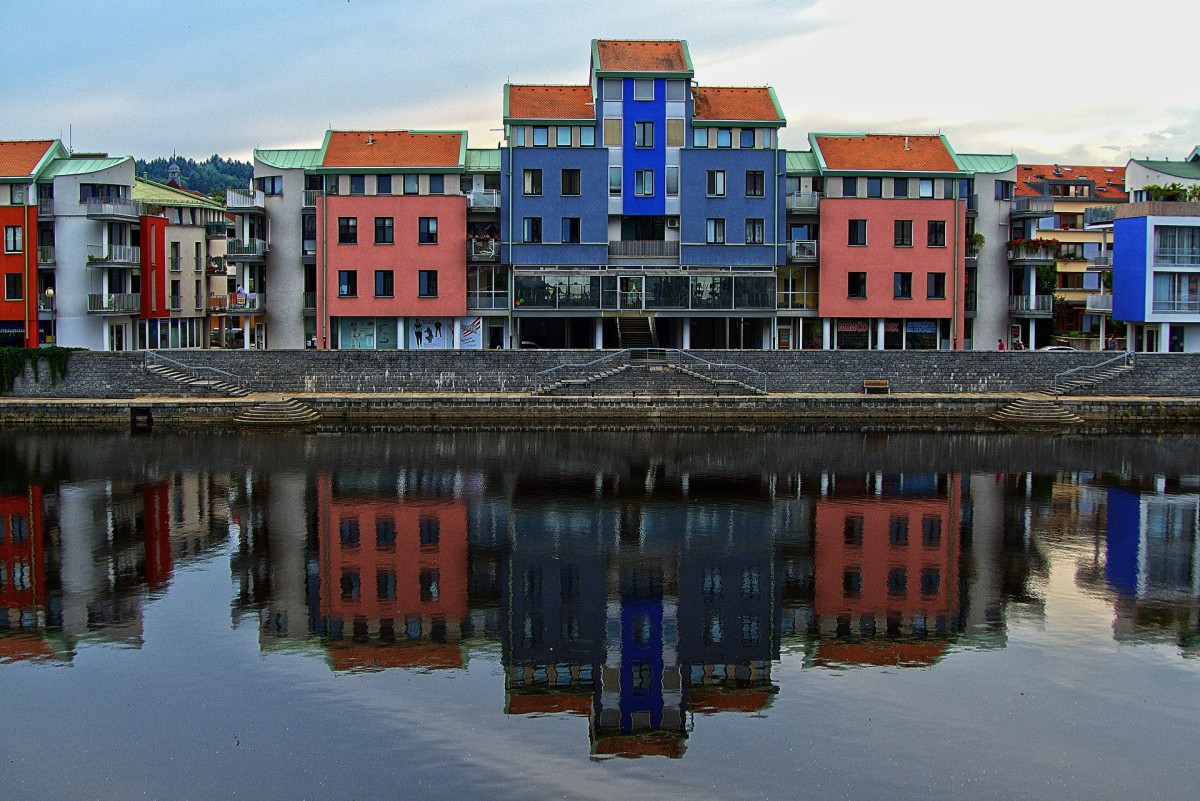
(114,256)
(243,200)
(216,266)
(1026,207)
(113,208)
(246,250)
(1100,304)
(1098,216)
(802,250)
(1037,306)
(310,301)
(175,263)
(483,250)
(45,207)
(45,254)
(643,249)
(310,198)
(485,200)
(45,304)
(216,230)
(1101,261)
(972,205)
(125,303)
(802,201)
(797,301)
(237,303)
(1033,255)
(1177,306)
(485,300)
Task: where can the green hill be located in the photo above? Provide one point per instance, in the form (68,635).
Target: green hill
(213,175)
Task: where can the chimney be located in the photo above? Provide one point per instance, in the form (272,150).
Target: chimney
(906,143)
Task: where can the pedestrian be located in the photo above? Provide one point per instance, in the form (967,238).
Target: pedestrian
(999,344)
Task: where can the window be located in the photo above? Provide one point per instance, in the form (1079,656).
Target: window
(570,230)
(643,134)
(14,288)
(858,233)
(676,90)
(383,231)
(849,187)
(900,187)
(643,183)
(273,184)
(902,285)
(347,283)
(358,184)
(937,233)
(385,286)
(852,531)
(716,231)
(755,183)
(1004,190)
(674,133)
(612,132)
(724,137)
(643,88)
(926,187)
(540,136)
(427,230)
(518,136)
(897,582)
(874,187)
(903,233)
(13,238)
(1070,251)
(437,184)
(351,586)
(931,531)
(851,583)
(716,183)
(383,184)
(699,137)
(570,182)
(614,180)
(429,532)
(533,182)
(612,88)
(672,181)
(754,231)
(936,286)
(411,185)
(587,136)
(16,194)
(856,285)
(746,138)
(347,230)
(766,137)
(562,136)
(931,581)
(427,283)
(532,230)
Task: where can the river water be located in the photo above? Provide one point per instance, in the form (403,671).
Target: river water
(598,615)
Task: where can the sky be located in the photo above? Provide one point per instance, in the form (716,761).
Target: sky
(1049,80)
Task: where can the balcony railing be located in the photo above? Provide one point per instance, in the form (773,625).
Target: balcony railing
(483,300)
(176,303)
(1045,254)
(108,207)
(483,249)
(1177,306)
(1038,304)
(972,204)
(1099,215)
(102,255)
(216,230)
(643,248)
(1100,261)
(175,263)
(802,201)
(45,207)
(310,301)
(802,250)
(1176,257)
(1100,303)
(124,303)
(310,198)
(244,199)
(246,249)
(797,301)
(45,254)
(1032,207)
(237,302)
(483,199)
(45,304)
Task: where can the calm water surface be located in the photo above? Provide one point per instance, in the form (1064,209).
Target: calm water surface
(567,615)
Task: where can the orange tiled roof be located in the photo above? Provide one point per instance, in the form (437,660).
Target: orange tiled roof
(1032,173)
(392,149)
(20,157)
(641,56)
(735,103)
(892,152)
(534,703)
(550,102)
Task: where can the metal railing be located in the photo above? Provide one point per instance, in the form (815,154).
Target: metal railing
(1032,206)
(688,362)
(1043,304)
(1044,253)
(310,198)
(176,303)
(216,230)
(1099,215)
(643,248)
(1176,257)
(244,199)
(1100,303)
(151,359)
(972,204)
(122,303)
(45,207)
(802,201)
(114,254)
(246,248)
(1100,261)
(1127,358)
(45,254)
(45,304)
(716,372)
(1177,306)
(237,302)
(483,199)
(544,378)
(802,249)
(175,263)
(113,207)
(483,249)
(310,301)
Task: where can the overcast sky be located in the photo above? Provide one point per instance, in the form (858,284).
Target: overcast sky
(1049,80)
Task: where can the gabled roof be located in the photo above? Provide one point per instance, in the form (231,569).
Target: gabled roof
(883,153)
(737,104)
(802,162)
(526,102)
(1178,169)
(19,158)
(1110,181)
(416,149)
(295,159)
(153,192)
(987,162)
(640,55)
(83,166)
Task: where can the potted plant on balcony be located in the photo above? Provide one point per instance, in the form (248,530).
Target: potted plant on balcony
(1029,247)
(974,244)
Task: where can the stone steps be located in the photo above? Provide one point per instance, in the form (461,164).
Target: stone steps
(1036,410)
(282,412)
(183,378)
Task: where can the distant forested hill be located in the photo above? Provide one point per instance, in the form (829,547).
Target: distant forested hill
(213,175)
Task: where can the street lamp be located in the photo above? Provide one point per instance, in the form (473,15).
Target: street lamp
(53,338)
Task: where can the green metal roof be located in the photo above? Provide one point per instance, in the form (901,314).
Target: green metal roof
(298,159)
(148,191)
(1179,169)
(483,159)
(802,162)
(82,166)
(987,162)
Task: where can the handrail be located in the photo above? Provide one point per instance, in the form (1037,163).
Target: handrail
(682,354)
(582,366)
(754,378)
(1127,358)
(152,357)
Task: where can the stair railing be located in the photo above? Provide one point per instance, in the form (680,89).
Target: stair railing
(152,358)
(544,378)
(738,372)
(1127,359)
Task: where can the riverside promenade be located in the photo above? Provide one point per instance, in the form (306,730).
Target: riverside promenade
(842,390)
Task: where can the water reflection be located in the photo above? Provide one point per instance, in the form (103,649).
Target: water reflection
(643,596)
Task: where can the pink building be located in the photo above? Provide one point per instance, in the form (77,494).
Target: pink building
(892,242)
(391,242)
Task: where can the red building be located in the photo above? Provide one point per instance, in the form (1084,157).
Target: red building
(20,293)
(22,556)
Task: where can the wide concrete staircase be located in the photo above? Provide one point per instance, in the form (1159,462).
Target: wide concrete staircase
(277,413)
(648,372)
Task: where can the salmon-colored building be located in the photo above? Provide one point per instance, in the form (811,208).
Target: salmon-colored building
(19,286)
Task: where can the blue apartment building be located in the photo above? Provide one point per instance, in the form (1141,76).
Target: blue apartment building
(642,209)
(1156,275)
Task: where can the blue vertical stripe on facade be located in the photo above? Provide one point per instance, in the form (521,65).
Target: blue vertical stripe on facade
(1122,537)
(1131,273)
(648,158)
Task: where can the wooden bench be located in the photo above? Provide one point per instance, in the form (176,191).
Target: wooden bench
(876,386)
